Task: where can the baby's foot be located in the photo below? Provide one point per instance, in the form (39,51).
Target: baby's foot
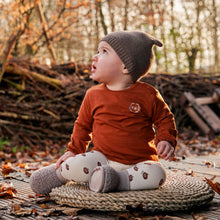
(43,180)
(103,179)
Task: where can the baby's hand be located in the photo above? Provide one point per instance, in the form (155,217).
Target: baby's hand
(64,157)
(165,150)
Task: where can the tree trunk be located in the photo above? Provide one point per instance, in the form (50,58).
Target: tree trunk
(45,31)
(111,12)
(6,53)
(191,56)
(126,15)
(104,26)
(96,27)
(174,35)
(198,27)
(215,36)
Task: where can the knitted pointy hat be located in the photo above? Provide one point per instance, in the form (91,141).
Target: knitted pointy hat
(135,50)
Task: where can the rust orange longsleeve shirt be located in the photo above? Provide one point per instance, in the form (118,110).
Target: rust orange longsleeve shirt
(122,123)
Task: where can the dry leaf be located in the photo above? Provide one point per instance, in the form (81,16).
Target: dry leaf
(215,186)
(7,190)
(44,206)
(208,164)
(27,173)
(22,212)
(212,179)
(39,195)
(6,170)
(30,196)
(21,165)
(16,207)
(54,211)
(199,217)
(34,211)
(71,211)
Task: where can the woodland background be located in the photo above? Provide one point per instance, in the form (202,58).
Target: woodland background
(57,31)
(46,48)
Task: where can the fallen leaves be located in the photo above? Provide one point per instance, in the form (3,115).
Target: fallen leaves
(215,186)
(199,217)
(210,164)
(6,170)
(7,190)
(192,144)
(56,211)
(21,210)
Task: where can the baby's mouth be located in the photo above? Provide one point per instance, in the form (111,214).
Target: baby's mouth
(93,68)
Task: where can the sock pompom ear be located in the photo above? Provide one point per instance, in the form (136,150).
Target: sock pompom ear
(158,43)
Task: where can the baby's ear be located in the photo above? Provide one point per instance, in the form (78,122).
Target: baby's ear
(124,69)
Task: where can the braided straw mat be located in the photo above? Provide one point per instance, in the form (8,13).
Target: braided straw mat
(180,192)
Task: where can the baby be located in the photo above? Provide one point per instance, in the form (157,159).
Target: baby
(128,121)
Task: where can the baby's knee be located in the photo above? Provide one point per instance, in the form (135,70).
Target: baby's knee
(156,173)
(79,168)
(147,175)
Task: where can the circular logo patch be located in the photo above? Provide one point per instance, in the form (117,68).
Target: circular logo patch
(134,107)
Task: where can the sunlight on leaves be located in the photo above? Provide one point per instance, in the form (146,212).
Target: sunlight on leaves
(215,186)
(7,190)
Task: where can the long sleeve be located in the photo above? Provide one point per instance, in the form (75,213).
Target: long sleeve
(80,137)
(164,122)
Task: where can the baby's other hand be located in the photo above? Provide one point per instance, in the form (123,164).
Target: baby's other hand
(64,157)
(165,150)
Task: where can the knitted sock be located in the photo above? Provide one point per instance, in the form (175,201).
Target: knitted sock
(124,183)
(103,179)
(43,180)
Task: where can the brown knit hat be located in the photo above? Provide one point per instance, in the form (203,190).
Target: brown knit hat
(134,49)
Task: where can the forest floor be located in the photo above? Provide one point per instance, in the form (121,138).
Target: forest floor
(195,155)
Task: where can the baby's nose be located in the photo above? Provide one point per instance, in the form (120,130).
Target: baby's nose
(95,58)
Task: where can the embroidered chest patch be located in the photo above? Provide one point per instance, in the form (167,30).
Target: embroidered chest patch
(134,107)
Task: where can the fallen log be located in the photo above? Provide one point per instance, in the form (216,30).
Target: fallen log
(18,70)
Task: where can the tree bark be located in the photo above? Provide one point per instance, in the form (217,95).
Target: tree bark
(111,12)
(174,35)
(215,37)
(104,26)
(6,53)
(126,15)
(45,31)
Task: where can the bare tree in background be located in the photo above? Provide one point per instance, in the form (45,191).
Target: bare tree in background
(188,28)
(174,33)
(215,16)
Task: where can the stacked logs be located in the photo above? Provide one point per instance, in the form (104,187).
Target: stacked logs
(39,104)
(172,88)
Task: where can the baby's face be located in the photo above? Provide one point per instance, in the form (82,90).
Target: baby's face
(106,64)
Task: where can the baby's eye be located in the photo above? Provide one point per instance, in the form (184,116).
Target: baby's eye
(105,51)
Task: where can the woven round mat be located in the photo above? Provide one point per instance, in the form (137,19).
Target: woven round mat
(180,192)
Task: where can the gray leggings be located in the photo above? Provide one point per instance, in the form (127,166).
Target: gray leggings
(143,175)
